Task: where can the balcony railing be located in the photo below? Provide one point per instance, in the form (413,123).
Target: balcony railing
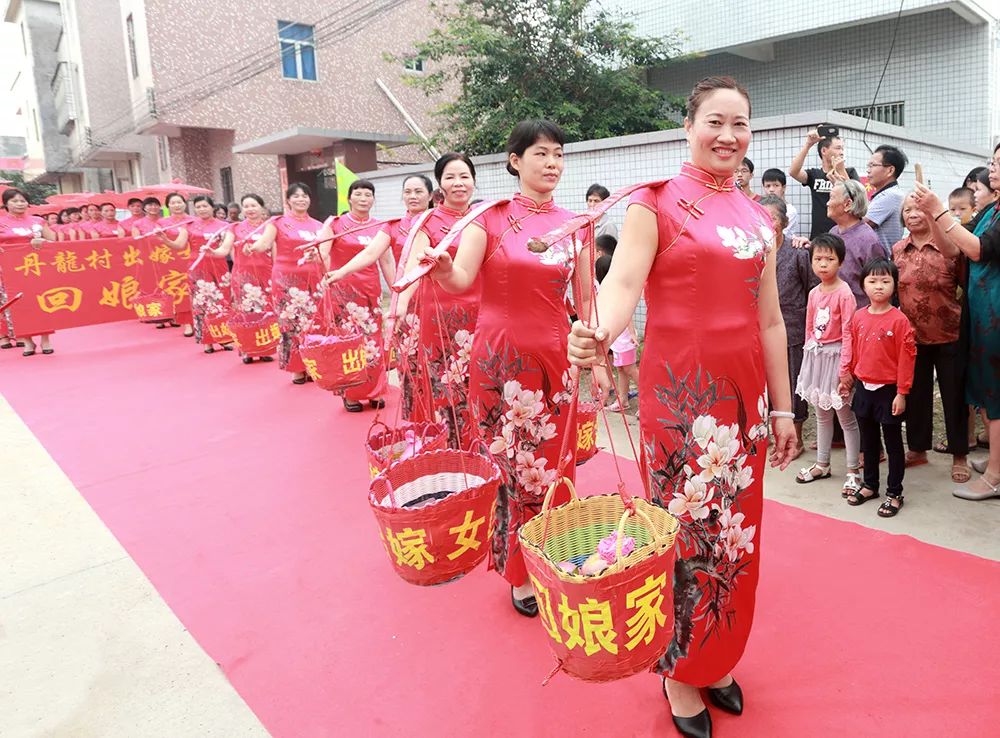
(64,93)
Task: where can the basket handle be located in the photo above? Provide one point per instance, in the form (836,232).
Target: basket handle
(374,425)
(619,564)
(547,504)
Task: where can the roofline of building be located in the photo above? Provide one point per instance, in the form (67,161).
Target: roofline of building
(10,10)
(270,143)
(795,120)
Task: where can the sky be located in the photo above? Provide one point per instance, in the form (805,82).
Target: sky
(10,62)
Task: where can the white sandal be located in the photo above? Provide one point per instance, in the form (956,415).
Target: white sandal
(805,475)
(965,493)
(852,484)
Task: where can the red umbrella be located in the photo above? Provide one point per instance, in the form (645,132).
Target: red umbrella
(118,199)
(70,199)
(43,209)
(162,190)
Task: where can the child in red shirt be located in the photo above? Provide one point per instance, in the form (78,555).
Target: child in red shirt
(880,372)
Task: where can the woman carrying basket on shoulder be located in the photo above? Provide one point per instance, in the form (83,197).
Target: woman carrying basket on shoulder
(718,351)
(519,392)
(436,326)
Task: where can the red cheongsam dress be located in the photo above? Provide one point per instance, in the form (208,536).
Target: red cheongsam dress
(357,302)
(294,286)
(518,370)
(702,410)
(209,279)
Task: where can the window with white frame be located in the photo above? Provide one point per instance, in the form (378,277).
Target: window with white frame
(298,51)
(413,64)
(132,55)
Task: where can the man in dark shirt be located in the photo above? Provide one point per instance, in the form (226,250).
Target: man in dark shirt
(821,181)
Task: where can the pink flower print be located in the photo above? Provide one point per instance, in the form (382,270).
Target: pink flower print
(702,430)
(714,461)
(532,474)
(693,500)
(732,537)
(504,443)
(525,405)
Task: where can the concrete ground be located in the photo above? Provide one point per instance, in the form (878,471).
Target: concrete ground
(88,649)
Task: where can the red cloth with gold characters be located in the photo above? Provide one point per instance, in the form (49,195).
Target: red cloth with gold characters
(703,410)
(357,302)
(209,278)
(518,370)
(294,286)
(445,326)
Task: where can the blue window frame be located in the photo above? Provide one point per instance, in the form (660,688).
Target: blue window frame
(298,51)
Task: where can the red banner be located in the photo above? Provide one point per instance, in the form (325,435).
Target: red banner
(67,284)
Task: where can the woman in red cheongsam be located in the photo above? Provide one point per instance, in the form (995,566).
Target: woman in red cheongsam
(436,327)
(357,297)
(715,344)
(295,285)
(251,275)
(209,273)
(519,396)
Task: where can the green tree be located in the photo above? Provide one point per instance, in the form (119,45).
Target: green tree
(36,192)
(567,60)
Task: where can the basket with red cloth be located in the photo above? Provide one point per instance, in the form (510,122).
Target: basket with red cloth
(586,431)
(335,362)
(256,334)
(153,307)
(435,513)
(389,445)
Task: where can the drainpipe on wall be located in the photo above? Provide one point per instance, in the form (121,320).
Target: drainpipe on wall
(410,123)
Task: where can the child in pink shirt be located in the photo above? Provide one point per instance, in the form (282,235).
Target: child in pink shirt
(826,352)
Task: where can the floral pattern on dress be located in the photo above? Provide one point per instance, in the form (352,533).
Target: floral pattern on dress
(701,482)
(208,300)
(747,245)
(446,366)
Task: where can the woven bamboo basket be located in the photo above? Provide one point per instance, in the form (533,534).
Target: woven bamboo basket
(335,362)
(257,334)
(388,444)
(153,307)
(435,513)
(632,599)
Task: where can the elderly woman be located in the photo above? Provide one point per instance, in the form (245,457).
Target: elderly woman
(847,208)
(795,279)
(928,289)
(983,381)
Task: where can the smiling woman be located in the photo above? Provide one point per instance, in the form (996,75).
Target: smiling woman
(702,404)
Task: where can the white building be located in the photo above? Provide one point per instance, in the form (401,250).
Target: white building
(942,77)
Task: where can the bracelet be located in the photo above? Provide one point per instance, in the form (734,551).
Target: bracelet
(781,414)
(948,229)
(941,214)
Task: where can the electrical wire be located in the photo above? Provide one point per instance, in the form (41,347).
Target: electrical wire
(885,67)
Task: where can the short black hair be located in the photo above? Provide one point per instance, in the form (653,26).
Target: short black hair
(447,159)
(205,198)
(152,201)
(598,189)
(255,197)
(829,242)
(132,200)
(880,266)
(13,192)
(894,157)
(529,132)
(361,184)
(748,164)
(963,192)
(602,266)
(606,244)
(773,175)
(172,195)
(296,187)
(428,185)
(974,175)
(824,144)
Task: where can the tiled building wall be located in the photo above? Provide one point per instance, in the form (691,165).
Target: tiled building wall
(616,163)
(714,24)
(940,68)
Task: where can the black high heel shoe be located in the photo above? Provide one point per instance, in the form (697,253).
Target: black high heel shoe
(696,726)
(527,607)
(728,698)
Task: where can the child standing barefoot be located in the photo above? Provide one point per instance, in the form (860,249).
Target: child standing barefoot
(880,371)
(826,354)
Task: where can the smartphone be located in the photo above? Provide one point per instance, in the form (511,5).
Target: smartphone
(825,130)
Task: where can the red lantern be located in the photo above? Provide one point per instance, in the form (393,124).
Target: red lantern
(153,307)
(256,334)
(335,362)
(435,513)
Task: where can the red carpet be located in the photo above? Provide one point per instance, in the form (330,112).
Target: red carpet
(242,498)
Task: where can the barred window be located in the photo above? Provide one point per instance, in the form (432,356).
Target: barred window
(891,113)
